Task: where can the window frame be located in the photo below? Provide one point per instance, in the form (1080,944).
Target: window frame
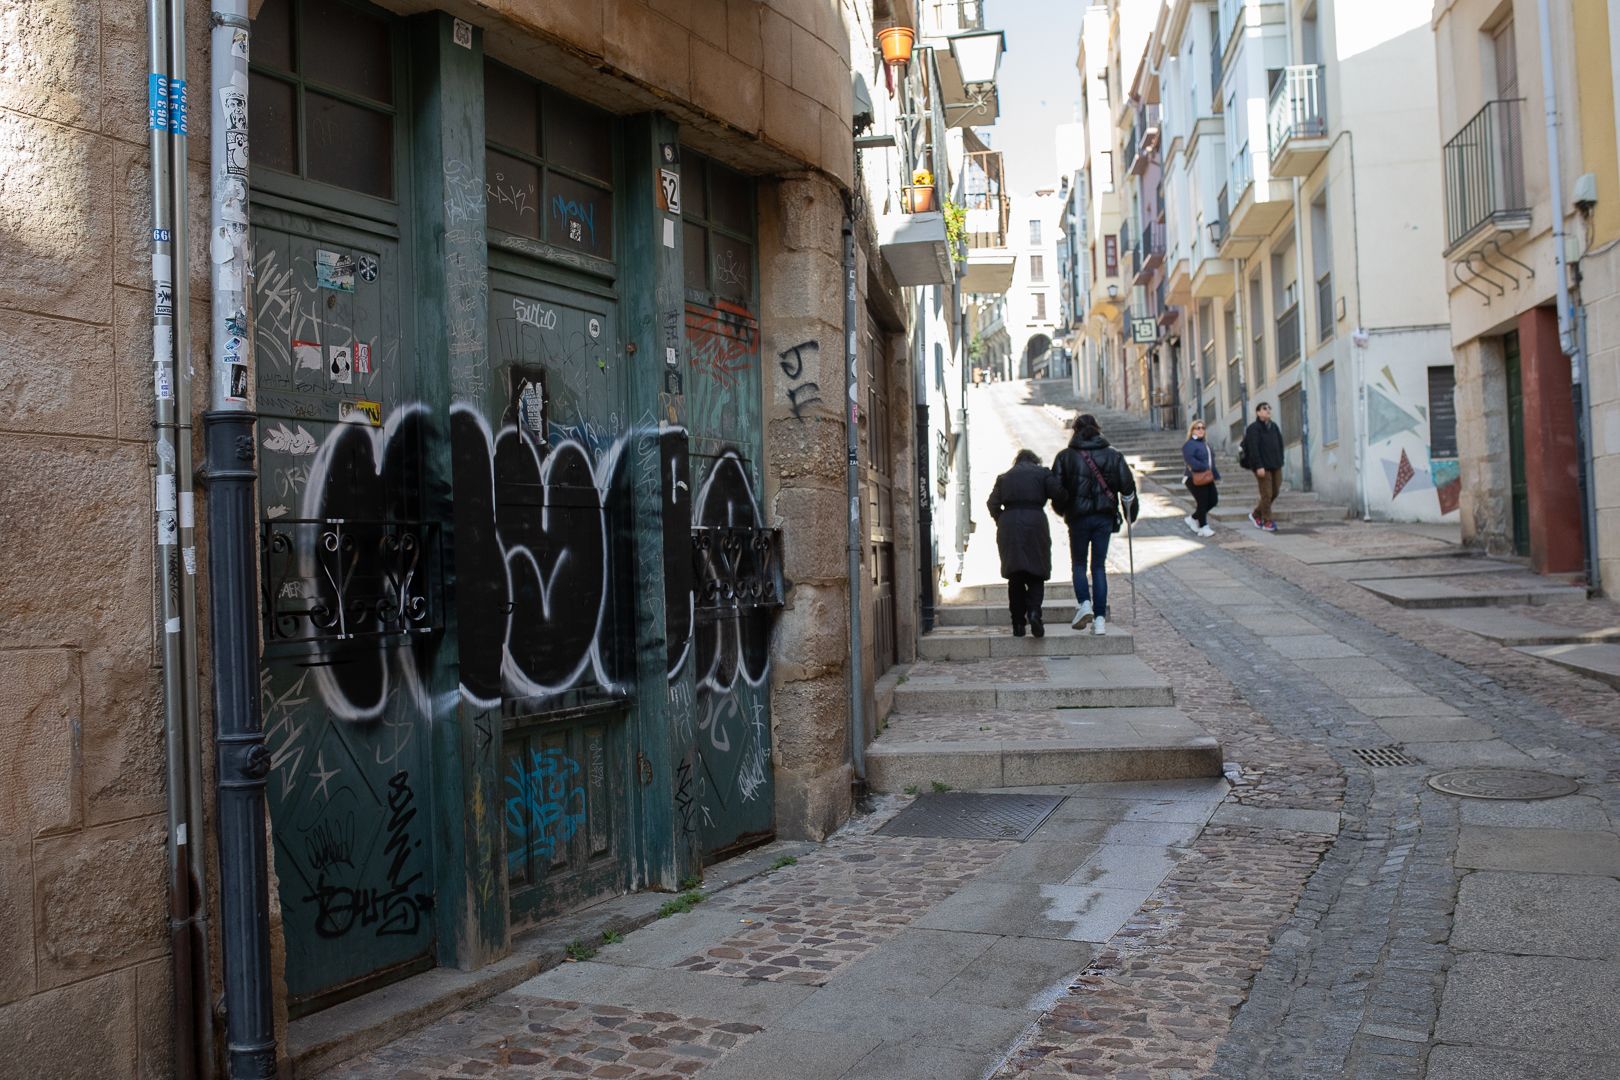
(711,225)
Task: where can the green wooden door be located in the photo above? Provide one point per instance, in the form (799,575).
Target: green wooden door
(351,593)
(1512,361)
(736,573)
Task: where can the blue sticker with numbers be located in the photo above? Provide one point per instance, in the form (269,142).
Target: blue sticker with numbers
(157,101)
(160,235)
(177,106)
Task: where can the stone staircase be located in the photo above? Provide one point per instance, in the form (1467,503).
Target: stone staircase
(1156,455)
(983,709)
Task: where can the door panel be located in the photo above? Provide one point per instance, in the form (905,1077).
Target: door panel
(352,603)
(547,607)
(735,571)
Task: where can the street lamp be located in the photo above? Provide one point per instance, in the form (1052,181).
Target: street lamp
(978,58)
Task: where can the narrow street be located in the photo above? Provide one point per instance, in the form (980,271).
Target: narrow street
(1318,912)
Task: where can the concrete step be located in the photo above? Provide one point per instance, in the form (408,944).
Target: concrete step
(1475,590)
(1053,613)
(1026,683)
(1236,504)
(1598,660)
(1019,749)
(986,642)
(1511,628)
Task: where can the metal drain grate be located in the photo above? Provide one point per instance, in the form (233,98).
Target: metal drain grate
(1503,784)
(971,815)
(1383,757)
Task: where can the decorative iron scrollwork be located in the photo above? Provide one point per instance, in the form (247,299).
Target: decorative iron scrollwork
(737,567)
(335,580)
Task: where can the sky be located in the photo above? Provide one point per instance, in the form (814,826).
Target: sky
(1038,84)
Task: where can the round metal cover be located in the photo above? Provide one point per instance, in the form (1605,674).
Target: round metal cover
(1503,784)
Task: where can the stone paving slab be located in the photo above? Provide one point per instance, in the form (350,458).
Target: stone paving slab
(1030,684)
(1432,565)
(1480,753)
(1471,1063)
(1417,705)
(1018,972)
(1126,866)
(1538,914)
(1311,646)
(1532,1003)
(1062,912)
(1542,851)
(1514,628)
(1569,812)
(781,1053)
(1418,729)
(901,1019)
(1283,820)
(1480,590)
(1597,660)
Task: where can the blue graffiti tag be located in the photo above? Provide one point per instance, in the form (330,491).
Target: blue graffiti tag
(546,808)
(576,217)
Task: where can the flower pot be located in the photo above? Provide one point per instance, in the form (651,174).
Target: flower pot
(917,200)
(895,41)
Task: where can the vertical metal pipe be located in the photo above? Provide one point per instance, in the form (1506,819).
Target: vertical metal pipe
(1569,338)
(191,730)
(242,758)
(857,679)
(161,99)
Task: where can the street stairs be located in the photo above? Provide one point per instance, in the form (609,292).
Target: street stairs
(983,709)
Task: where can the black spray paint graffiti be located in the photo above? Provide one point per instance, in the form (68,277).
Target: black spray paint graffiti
(800,395)
(397,909)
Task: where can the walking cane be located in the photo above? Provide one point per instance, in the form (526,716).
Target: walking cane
(1130,549)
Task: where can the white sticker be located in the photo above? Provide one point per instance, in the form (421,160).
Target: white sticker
(172,626)
(162,342)
(189,555)
(669,183)
(670,357)
(234,108)
(340,363)
(167,532)
(188,510)
(160,383)
(669,232)
(229,278)
(461,33)
(239,47)
(165,492)
(306,355)
(594,327)
(180,829)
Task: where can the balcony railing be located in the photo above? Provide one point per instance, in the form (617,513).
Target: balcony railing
(1296,106)
(1144,137)
(1149,251)
(1484,164)
(1325,318)
(1288,336)
(1242,175)
(988,208)
(950,16)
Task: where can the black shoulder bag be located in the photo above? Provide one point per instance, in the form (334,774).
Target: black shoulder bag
(1096,472)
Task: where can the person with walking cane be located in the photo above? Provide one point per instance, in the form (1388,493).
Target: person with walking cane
(1201,478)
(1098,492)
(1018,507)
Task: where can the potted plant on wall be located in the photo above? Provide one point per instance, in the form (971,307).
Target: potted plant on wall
(896,41)
(918,196)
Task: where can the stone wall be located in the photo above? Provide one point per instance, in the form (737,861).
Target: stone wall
(84,974)
(1600,292)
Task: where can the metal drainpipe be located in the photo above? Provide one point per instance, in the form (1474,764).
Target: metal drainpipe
(180,201)
(243,760)
(1304,356)
(1569,338)
(964,483)
(163,97)
(857,677)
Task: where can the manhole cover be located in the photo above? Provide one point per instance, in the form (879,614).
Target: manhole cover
(1503,784)
(1382,757)
(969,815)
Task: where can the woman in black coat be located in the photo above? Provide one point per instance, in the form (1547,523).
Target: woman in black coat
(1018,505)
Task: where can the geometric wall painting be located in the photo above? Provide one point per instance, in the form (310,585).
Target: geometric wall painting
(1403,477)
(1447,477)
(1385,419)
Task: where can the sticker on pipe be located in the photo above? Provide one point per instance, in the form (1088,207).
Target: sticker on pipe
(238,390)
(334,270)
(239,44)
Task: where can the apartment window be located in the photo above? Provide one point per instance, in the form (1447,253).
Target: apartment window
(1206,340)
(1111,255)
(1327,394)
(1504,58)
(717,216)
(1105,166)
(1322,266)
(1289,416)
(1442,412)
(1257,330)
(1040,306)
(1037,267)
(1285,303)
(1034,231)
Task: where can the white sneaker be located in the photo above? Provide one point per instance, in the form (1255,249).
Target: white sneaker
(1100,627)
(1206,531)
(1191,524)
(1082,617)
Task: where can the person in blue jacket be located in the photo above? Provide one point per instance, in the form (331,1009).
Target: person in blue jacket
(1200,460)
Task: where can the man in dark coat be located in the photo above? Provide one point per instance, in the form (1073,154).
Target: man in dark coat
(1018,505)
(1096,488)
(1262,453)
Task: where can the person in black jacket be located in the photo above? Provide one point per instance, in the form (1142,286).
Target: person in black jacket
(1262,452)
(1096,487)
(1018,506)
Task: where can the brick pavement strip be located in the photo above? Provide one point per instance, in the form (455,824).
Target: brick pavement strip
(521,1037)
